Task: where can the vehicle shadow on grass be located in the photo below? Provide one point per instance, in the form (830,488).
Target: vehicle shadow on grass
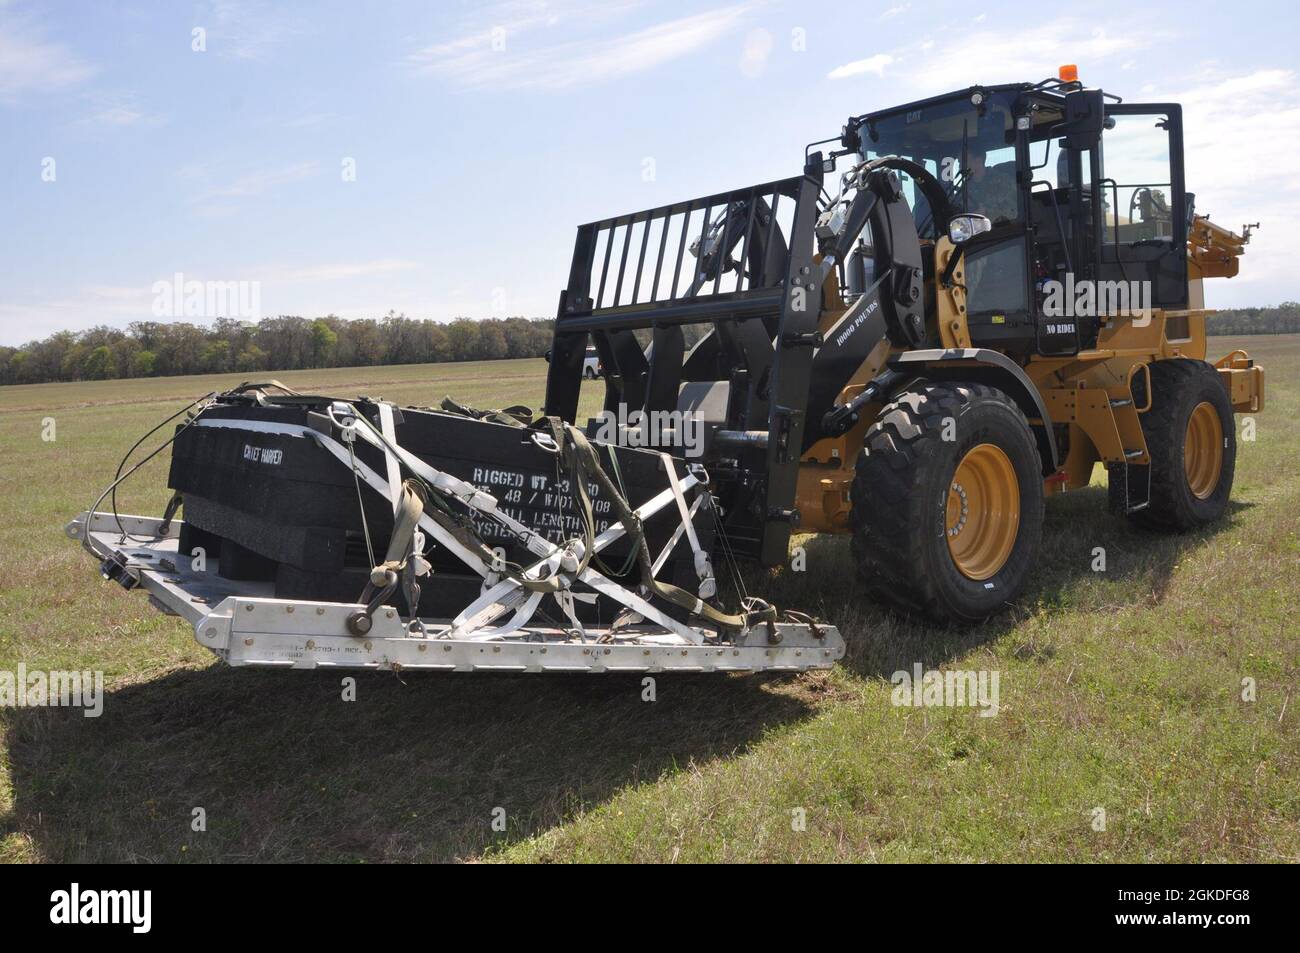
(1139,566)
(414,769)
(285,770)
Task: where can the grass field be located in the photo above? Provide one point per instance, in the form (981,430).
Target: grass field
(1120,690)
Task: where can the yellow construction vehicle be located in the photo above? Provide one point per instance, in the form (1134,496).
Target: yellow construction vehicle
(1006,290)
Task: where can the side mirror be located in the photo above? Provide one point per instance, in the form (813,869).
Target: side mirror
(962,228)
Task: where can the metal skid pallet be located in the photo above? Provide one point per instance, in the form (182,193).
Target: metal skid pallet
(242,624)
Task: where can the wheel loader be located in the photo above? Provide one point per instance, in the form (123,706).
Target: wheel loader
(1005,291)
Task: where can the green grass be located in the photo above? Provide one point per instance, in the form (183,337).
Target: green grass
(1119,690)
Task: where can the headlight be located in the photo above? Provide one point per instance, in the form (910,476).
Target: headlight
(962,228)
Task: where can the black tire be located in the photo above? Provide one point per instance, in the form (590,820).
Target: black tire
(900,497)
(1178,387)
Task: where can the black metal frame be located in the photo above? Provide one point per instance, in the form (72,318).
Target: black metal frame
(765,344)
(763,328)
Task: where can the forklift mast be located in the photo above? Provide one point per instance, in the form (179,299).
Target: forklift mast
(761,266)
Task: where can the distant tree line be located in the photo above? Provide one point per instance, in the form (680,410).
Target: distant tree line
(1282,319)
(163,349)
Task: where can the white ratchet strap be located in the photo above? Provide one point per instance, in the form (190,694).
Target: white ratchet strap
(681,501)
(387,428)
(565,598)
(703,565)
(672,540)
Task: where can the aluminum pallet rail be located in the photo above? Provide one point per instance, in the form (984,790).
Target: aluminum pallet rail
(242,624)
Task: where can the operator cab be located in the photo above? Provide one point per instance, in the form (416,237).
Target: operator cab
(1084,194)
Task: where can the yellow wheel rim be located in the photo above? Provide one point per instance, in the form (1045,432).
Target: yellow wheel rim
(1203,450)
(983,512)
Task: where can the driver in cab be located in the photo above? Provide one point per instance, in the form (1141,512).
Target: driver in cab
(991,190)
(992,280)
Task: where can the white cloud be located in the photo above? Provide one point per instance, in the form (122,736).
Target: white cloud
(334,272)
(118,115)
(256,183)
(35,317)
(216,201)
(32,319)
(242,32)
(31,64)
(872,64)
(113,111)
(993,56)
(310,120)
(197,171)
(896,11)
(472,61)
(120,293)
(1240,131)
(509,22)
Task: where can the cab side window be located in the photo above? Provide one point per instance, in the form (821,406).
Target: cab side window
(1141,212)
(989,184)
(1137,186)
(995,280)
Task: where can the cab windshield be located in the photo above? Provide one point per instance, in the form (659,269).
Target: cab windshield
(970,149)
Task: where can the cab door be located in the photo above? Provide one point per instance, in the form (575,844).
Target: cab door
(1141,212)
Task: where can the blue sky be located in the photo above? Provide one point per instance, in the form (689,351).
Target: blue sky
(481,133)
